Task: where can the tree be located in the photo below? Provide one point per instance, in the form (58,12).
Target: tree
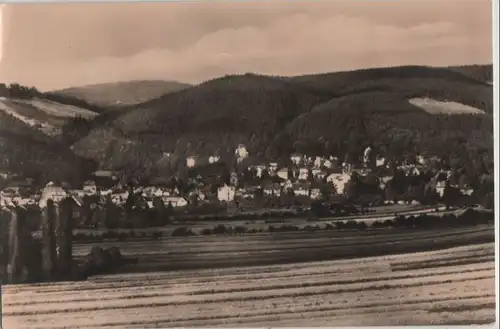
(131,201)
(160,210)
(170,210)
(451,195)
(111,215)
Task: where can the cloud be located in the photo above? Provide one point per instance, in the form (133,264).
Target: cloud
(293,42)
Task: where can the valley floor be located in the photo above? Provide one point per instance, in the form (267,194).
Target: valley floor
(453,285)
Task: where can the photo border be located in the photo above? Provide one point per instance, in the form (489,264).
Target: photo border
(496,125)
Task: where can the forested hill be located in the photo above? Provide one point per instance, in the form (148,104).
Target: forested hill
(118,94)
(273,116)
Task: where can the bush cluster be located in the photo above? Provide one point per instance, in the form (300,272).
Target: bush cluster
(424,221)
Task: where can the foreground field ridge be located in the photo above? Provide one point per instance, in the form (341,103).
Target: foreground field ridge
(342,292)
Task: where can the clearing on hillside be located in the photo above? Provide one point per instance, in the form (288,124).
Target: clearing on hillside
(433,106)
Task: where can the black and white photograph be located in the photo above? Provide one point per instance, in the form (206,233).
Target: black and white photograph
(280,163)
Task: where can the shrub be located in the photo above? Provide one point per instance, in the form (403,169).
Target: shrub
(388,223)
(400,221)
(157,235)
(362,226)
(206,231)
(122,236)
(240,230)
(311,228)
(220,229)
(182,231)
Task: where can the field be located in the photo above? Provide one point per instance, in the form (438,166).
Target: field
(437,107)
(286,279)
(46,115)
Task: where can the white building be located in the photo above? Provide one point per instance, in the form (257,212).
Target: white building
(380,162)
(383,181)
(467,191)
(119,198)
(303,173)
(272,190)
(234,179)
(440,186)
(53,192)
(273,166)
(296,159)
(175,201)
(421,160)
(367,155)
(318,173)
(213,159)
(9,193)
(191,161)
(300,191)
(339,180)
(318,162)
(283,173)
(226,193)
(259,169)
(241,152)
(315,193)
(89,187)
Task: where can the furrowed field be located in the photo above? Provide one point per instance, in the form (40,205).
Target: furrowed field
(375,277)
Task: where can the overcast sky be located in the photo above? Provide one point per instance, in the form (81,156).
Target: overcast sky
(54,46)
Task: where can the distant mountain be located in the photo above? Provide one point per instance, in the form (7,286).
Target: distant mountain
(117,94)
(483,73)
(273,116)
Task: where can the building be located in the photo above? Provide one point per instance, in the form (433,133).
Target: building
(52,192)
(440,187)
(241,152)
(272,189)
(226,193)
(175,201)
(105,178)
(234,180)
(301,190)
(339,180)
(259,169)
(318,173)
(318,162)
(303,173)
(283,173)
(273,167)
(315,193)
(213,159)
(296,159)
(380,162)
(90,187)
(191,161)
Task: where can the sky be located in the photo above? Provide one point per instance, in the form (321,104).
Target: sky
(53,46)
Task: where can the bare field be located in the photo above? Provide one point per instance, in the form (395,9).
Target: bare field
(294,278)
(197,252)
(383,290)
(433,106)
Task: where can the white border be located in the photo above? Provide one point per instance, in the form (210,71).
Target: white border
(496,151)
(496,117)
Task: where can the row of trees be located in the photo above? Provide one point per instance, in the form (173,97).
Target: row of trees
(135,212)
